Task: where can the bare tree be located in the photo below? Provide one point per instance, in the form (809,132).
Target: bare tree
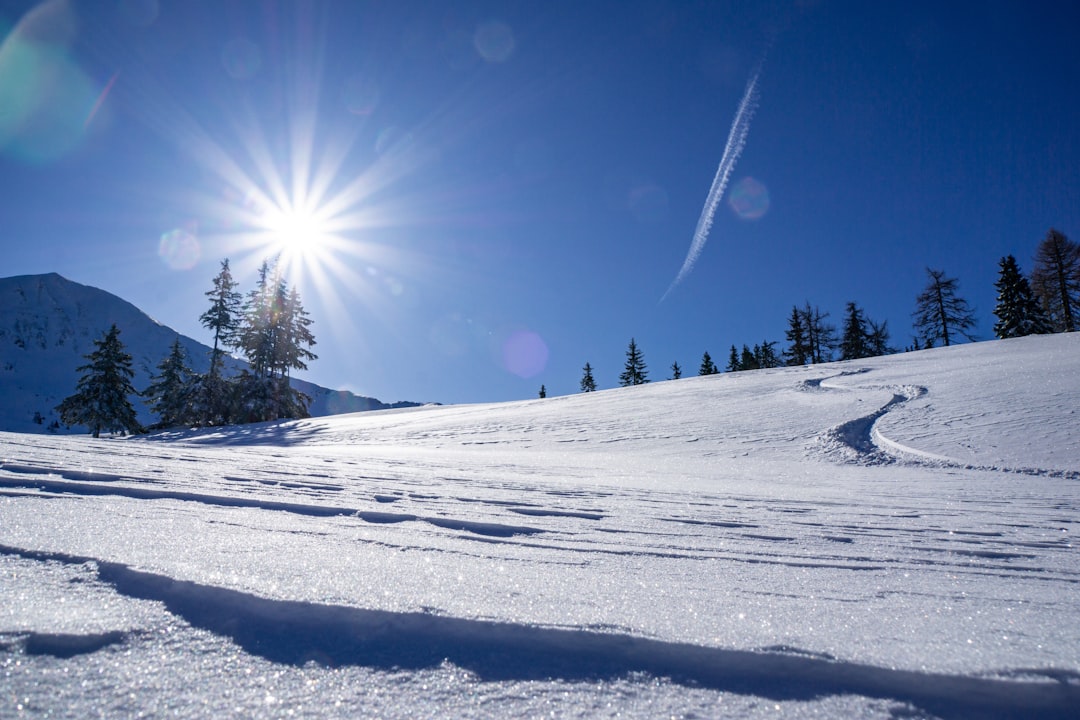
(1056,280)
(941,314)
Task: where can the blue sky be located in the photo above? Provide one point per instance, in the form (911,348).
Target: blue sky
(486,195)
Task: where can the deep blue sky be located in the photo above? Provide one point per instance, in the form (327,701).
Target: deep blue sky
(518,177)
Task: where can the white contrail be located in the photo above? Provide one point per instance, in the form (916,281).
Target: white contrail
(740,128)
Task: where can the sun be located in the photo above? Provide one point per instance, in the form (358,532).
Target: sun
(295,233)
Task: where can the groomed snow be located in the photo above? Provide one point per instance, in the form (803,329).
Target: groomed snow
(881,538)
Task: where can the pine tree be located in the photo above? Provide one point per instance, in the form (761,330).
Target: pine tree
(798,352)
(634,372)
(854,344)
(708,367)
(676,370)
(1056,280)
(543,392)
(101,399)
(588,384)
(1017,310)
(171,393)
(733,361)
(941,314)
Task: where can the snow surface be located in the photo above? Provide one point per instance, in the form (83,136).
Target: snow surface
(891,537)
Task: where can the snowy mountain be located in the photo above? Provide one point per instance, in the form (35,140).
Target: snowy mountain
(48,324)
(884,538)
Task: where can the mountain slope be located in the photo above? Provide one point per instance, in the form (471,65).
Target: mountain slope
(48,324)
(883,538)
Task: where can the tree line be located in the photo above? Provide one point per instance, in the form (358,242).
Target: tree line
(268,328)
(1047,301)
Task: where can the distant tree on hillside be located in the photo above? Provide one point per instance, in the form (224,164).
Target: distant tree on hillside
(1056,280)
(878,339)
(588,384)
(543,392)
(171,394)
(676,370)
(798,352)
(733,364)
(634,372)
(708,367)
(101,399)
(765,355)
(941,314)
(855,341)
(820,335)
(1018,311)
(748,359)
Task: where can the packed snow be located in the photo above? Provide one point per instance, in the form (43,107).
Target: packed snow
(891,537)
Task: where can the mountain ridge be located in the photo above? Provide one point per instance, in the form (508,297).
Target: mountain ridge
(48,324)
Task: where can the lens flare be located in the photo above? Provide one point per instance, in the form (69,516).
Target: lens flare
(179,249)
(494,41)
(525,354)
(749,199)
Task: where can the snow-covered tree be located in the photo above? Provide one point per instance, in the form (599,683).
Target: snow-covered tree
(634,372)
(172,392)
(1018,311)
(588,384)
(941,314)
(101,401)
(708,367)
(1056,280)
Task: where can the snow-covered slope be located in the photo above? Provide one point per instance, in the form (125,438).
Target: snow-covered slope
(48,324)
(892,537)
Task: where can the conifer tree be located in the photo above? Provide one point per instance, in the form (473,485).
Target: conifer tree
(101,401)
(747,361)
(1017,310)
(171,392)
(798,352)
(634,372)
(765,355)
(543,392)
(733,361)
(854,344)
(878,339)
(1056,280)
(588,384)
(708,367)
(941,314)
(676,370)
(820,335)
(212,398)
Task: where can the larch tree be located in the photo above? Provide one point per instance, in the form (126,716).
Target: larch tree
(820,335)
(101,400)
(1018,312)
(1055,279)
(588,383)
(634,371)
(940,313)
